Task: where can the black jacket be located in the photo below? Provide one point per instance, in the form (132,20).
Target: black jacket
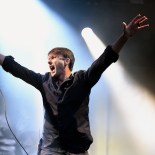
(66,108)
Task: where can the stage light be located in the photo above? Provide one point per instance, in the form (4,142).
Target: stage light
(135,103)
(94,44)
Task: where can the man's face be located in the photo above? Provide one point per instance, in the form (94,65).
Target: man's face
(57,65)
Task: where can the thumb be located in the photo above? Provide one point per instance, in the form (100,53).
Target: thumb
(124,26)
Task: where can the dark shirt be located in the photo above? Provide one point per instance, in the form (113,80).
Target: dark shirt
(66,123)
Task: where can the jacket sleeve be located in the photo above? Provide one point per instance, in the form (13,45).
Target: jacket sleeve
(95,71)
(29,76)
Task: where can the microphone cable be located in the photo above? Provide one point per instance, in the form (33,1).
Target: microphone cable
(3,100)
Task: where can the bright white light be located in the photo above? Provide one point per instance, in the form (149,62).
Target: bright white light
(28,30)
(135,103)
(94,44)
(136,106)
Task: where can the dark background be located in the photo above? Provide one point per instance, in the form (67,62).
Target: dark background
(105,17)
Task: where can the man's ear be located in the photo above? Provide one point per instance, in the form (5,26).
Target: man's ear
(67,61)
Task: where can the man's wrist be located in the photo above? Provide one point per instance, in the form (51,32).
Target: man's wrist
(126,36)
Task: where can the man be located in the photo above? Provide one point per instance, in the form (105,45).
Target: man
(66,95)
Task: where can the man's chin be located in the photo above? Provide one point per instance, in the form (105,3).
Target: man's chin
(53,75)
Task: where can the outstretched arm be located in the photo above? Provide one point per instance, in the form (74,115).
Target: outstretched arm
(130,30)
(2,57)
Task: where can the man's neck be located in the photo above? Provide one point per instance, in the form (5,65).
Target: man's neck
(63,77)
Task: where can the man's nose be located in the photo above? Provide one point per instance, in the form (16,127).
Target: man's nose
(49,62)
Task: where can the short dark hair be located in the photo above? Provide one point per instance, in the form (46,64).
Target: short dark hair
(66,53)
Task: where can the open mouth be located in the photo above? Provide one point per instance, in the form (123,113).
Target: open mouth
(52,67)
